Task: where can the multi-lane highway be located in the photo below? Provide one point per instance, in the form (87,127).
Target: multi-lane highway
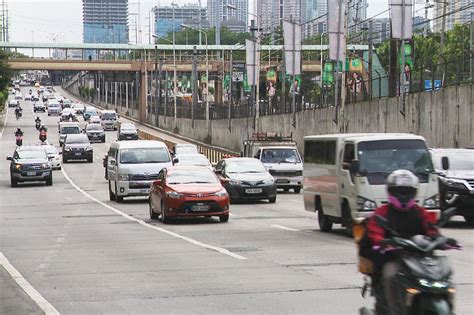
(67,248)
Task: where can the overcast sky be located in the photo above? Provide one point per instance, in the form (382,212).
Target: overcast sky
(45,20)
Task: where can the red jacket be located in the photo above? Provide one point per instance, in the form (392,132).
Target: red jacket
(407,223)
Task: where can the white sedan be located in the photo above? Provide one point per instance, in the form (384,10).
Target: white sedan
(53,155)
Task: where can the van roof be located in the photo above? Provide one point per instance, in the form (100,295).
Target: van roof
(108,111)
(366,136)
(69,123)
(138,144)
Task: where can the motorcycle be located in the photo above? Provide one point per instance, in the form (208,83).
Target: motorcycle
(38,125)
(19,140)
(43,135)
(424,278)
(18,114)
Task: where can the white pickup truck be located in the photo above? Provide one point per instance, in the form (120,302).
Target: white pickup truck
(280,156)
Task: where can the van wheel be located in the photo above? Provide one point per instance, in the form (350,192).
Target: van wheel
(118,198)
(297,190)
(111,194)
(325,224)
(49,181)
(347,218)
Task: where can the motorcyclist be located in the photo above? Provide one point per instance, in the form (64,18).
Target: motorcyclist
(18,110)
(18,132)
(37,119)
(407,219)
(43,128)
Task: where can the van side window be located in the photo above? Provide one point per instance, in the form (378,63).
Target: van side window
(349,153)
(320,152)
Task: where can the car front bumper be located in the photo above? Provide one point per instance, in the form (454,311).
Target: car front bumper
(78,155)
(236,192)
(31,176)
(288,182)
(197,207)
(133,188)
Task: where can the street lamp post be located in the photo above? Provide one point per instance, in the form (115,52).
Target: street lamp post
(207,70)
(175,86)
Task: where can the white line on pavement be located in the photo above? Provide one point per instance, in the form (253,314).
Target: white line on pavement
(141,222)
(44,305)
(284,228)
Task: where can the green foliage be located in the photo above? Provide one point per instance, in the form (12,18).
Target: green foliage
(191,37)
(5,77)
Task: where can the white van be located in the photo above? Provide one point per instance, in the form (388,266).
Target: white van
(108,119)
(280,156)
(133,165)
(344,174)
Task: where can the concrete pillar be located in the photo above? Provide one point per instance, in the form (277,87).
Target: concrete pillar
(115,97)
(126,95)
(106,94)
(142,97)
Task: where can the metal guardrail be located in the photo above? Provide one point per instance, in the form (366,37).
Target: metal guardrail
(213,154)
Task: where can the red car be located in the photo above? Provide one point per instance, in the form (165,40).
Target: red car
(188,191)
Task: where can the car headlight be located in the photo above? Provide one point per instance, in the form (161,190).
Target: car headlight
(174,194)
(431,202)
(364,204)
(123,177)
(45,165)
(17,166)
(235,182)
(269,181)
(221,193)
(67,149)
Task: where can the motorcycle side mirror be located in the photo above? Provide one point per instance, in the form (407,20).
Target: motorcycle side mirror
(445,163)
(446,215)
(9,158)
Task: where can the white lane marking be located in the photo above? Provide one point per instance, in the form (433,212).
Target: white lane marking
(5,124)
(44,305)
(145,224)
(284,228)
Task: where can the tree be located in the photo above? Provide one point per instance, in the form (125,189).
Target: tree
(191,37)
(5,77)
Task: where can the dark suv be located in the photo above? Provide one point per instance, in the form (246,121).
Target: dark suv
(77,147)
(30,164)
(456,180)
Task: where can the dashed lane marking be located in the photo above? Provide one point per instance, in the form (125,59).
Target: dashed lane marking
(42,303)
(284,228)
(145,224)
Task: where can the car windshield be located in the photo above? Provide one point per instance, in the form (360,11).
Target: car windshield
(245,166)
(458,160)
(193,160)
(94,127)
(128,128)
(191,176)
(380,158)
(54,105)
(185,149)
(108,116)
(70,130)
(77,139)
(280,156)
(31,154)
(144,155)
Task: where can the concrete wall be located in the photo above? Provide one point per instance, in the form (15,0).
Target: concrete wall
(445,118)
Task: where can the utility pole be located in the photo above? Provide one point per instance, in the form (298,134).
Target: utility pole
(157,103)
(371,51)
(200,23)
(218,21)
(231,66)
(443,30)
(194,85)
(402,64)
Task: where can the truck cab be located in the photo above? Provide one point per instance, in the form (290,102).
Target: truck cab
(280,156)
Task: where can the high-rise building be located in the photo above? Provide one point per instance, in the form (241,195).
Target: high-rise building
(218,9)
(457,12)
(105,21)
(272,12)
(169,18)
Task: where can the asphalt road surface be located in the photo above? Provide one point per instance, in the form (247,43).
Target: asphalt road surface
(67,248)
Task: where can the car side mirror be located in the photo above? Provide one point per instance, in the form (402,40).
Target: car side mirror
(175,161)
(157,182)
(9,158)
(60,153)
(354,167)
(445,163)
(113,162)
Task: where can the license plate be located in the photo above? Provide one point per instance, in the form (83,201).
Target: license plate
(77,154)
(200,208)
(30,173)
(282,181)
(253,191)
